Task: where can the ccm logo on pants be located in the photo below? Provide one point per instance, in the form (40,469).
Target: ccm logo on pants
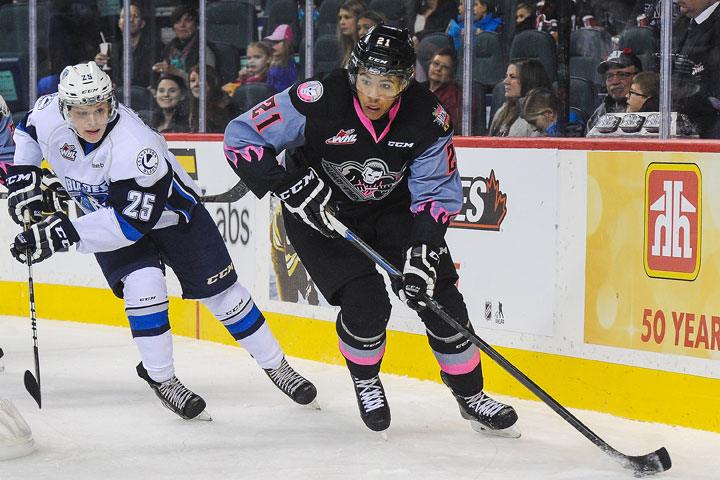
(223,273)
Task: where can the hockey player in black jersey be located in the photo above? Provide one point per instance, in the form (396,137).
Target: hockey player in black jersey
(376,148)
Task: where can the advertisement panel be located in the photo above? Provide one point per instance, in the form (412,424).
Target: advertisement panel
(503,241)
(653,251)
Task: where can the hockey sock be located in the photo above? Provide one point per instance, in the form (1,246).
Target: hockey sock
(146,306)
(236,310)
(363,355)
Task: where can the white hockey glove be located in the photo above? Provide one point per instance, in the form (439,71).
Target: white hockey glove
(419,275)
(24,193)
(306,196)
(55,197)
(55,233)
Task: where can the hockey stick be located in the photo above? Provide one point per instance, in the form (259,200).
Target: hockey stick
(32,383)
(232,195)
(654,462)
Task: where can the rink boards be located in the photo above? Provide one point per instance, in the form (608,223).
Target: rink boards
(590,265)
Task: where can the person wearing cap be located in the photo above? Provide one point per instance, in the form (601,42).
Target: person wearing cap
(619,69)
(283,69)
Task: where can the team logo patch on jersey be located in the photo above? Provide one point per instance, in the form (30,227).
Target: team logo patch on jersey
(310,92)
(441,117)
(68,152)
(45,100)
(370,180)
(147,161)
(343,137)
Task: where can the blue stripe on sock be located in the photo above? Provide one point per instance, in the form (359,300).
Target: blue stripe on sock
(154,322)
(254,318)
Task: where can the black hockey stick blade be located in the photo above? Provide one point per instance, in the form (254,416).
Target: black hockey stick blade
(232,195)
(655,462)
(33,387)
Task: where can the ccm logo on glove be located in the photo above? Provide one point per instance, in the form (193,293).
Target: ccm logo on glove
(310,176)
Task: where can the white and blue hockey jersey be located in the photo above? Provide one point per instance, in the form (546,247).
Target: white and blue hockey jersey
(126,184)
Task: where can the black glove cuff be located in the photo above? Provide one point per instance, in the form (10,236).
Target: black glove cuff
(295,182)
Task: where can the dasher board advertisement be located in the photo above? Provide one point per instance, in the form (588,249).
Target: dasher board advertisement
(503,241)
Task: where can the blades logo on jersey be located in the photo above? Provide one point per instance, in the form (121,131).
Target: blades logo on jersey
(68,152)
(343,137)
(89,197)
(147,161)
(371,180)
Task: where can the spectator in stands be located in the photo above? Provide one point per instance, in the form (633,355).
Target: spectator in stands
(259,55)
(619,69)
(347,27)
(696,37)
(485,21)
(523,74)
(144,50)
(441,81)
(219,110)
(171,111)
(524,17)
(48,85)
(183,51)
(541,110)
(283,69)
(644,93)
(432,16)
(367,19)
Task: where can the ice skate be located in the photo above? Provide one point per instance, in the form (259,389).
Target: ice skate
(374,409)
(485,414)
(294,385)
(176,397)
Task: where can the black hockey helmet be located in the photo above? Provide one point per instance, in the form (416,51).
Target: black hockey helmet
(384,50)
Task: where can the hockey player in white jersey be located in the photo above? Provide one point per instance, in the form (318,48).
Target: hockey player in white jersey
(141,212)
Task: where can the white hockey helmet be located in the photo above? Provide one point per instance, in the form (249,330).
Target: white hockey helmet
(85,84)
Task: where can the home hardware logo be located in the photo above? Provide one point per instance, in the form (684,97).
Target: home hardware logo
(673,221)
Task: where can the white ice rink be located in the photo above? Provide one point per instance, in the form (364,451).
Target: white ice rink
(99,421)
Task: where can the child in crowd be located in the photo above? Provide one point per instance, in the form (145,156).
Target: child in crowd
(485,20)
(218,112)
(540,111)
(283,69)
(368,19)
(259,55)
(643,94)
(347,27)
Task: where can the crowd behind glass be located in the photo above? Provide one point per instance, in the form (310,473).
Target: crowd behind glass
(256,48)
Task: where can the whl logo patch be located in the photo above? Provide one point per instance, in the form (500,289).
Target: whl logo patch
(673,205)
(68,152)
(343,138)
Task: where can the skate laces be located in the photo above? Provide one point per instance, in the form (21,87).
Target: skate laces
(370,393)
(484,405)
(287,379)
(175,393)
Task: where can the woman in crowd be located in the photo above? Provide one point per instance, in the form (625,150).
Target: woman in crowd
(540,111)
(283,69)
(643,94)
(171,99)
(347,27)
(441,81)
(183,51)
(485,20)
(259,55)
(368,19)
(218,112)
(523,74)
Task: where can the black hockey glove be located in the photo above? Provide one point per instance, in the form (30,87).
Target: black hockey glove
(40,241)
(24,193)
(419,274)
(55,197)
(306,196)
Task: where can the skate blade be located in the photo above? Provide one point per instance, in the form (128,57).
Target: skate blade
(203,416)
(510,432)
(313,405)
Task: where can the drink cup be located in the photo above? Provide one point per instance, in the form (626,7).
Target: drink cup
(642,20)
(588,21)
(105,48)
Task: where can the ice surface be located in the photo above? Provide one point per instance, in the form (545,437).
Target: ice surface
(100,421)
